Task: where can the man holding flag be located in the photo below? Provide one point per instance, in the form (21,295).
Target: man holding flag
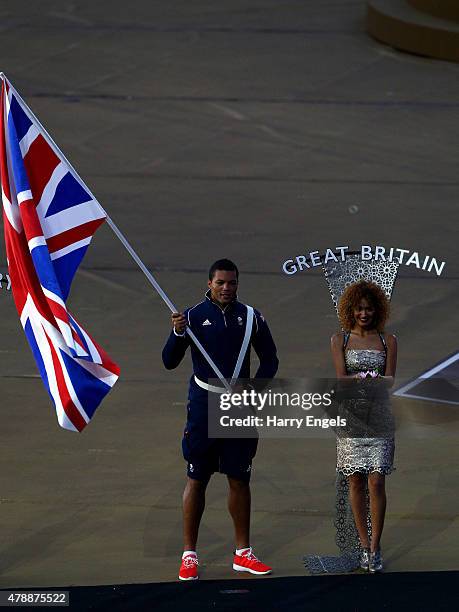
(226,329)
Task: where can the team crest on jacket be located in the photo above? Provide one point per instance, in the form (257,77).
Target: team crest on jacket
(239,320)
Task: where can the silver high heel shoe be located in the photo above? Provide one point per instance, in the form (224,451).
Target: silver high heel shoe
(376,562)
(365,559)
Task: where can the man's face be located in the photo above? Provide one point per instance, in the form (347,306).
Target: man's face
(223,286)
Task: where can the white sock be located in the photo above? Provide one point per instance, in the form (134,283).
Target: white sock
(189,552)
(241,551)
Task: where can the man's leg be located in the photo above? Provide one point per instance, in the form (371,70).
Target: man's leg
(194,499)
(202,460)
(199,471)
(239,507)
(236,462)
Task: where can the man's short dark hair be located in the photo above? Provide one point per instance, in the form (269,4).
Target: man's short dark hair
(223,264)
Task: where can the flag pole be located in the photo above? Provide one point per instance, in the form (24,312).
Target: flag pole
(165,298)
(121,237)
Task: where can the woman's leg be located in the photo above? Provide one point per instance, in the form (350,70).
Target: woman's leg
(377,489)
(357,498)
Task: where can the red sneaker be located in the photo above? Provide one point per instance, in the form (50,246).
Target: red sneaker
(189,568)
(247,562)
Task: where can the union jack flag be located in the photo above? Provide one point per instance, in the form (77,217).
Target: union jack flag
(49,219)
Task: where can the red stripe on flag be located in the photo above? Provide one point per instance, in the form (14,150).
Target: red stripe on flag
(77,339)
(40,163)
(30,220)
(58,311)
(61,313)
(3,164)
(107,363)
(55,243)
(11,236)
(70,409)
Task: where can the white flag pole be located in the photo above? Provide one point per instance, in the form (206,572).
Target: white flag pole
(120,236)
(166,299)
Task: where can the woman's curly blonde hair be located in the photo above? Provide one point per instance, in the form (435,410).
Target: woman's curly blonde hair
(351,298)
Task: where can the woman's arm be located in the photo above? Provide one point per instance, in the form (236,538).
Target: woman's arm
(338,355)
(391,358)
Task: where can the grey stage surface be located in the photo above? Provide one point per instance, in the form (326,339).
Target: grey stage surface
(245,130)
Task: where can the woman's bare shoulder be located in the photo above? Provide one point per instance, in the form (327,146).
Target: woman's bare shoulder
(337,339)
(391,340)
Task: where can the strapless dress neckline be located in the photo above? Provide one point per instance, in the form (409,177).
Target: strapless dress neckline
(362,349)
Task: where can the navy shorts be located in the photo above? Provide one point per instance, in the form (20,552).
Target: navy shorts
(232,457)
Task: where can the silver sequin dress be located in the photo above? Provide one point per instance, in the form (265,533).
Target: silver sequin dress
(371,447)
(366,445)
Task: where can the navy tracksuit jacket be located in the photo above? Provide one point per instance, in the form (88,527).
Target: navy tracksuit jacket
(221,332)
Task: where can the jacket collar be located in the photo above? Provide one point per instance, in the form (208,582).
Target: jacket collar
(230,305)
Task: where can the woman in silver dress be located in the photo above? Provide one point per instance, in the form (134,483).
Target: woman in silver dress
(365,457)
